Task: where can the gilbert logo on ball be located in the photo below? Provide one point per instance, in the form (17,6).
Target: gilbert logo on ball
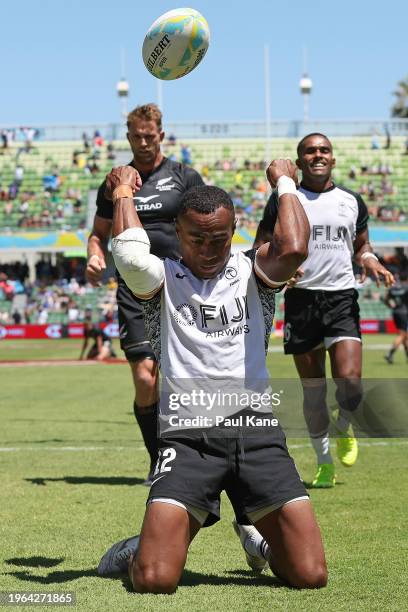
(176,43)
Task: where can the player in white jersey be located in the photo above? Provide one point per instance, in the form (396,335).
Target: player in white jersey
(211,313)
(321,308)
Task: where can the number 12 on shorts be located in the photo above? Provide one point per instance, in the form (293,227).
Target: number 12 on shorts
(166,455)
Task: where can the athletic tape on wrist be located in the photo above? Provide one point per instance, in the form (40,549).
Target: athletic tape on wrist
(368,254)
(286,185)
(123,191)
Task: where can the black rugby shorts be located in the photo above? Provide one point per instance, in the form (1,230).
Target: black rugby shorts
(255,471)
(132,333)
(311,316)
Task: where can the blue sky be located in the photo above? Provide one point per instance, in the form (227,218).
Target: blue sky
(61,59)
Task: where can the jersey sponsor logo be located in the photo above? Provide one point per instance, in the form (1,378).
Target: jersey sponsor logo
(230,273)
(143,203)
(162,184)
(145,200)
(230,331)
(342,209)
(185,314)
(328,233)
(178,275)
(208,311)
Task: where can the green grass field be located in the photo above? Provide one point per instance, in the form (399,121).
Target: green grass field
(72,463)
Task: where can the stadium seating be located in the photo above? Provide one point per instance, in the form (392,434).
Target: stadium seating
(234,164)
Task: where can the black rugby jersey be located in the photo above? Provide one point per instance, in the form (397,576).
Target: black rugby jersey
(157,204)
(399,294)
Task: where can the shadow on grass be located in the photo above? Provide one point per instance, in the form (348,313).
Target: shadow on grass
(98,480)
(309,485)
(54,577)
(32,420)
(189,578)
(232,578)
(35,561)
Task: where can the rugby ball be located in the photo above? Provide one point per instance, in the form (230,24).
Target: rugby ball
(175,43)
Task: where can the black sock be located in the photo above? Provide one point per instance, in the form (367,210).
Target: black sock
(391,351)
(147,421)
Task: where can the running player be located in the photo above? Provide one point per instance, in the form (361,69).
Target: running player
(321,309)
(397,300)
(157,203)
(210,315)
(102,347)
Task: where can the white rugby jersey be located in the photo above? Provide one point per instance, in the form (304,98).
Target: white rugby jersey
(336,216)
(214,328)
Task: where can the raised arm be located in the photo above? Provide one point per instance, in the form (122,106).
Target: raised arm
(142,272)
(277,260)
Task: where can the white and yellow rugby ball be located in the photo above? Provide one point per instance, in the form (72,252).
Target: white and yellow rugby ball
(176,43)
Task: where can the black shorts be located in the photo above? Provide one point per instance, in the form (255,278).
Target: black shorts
(313,316)
(132,333)
(255,471)
(400,320)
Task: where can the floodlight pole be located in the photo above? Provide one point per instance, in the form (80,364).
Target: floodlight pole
(122,87)
(305,86)
(267,105)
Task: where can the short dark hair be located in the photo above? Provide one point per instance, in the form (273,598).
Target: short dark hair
(205,199)
(300,144)
(147,112)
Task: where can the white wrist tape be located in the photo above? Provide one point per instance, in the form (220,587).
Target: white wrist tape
(368,254)
(286,185)
(142,272)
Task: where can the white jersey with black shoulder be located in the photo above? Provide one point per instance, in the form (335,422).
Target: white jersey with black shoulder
(336,216)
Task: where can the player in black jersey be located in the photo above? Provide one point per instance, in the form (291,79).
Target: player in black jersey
(321,309)
(102,345)
(157,203)
(397,300)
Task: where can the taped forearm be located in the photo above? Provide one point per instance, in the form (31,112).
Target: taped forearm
(142,272)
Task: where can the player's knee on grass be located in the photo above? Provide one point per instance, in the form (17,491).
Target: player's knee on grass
(156,577)
(309,574)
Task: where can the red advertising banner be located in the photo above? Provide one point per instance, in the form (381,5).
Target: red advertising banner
(55,331)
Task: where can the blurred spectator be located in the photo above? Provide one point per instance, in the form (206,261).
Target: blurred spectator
(375,144)
(29,134)
(6,286)
(352,173)
(171,140)
(97,139)
(19,175)
(5,139)
(111,155)
(16,316)
(186,157)
(51,182)
(85,142)
(387,138)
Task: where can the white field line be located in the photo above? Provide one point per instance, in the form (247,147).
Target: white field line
(70,449)
(366,347)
